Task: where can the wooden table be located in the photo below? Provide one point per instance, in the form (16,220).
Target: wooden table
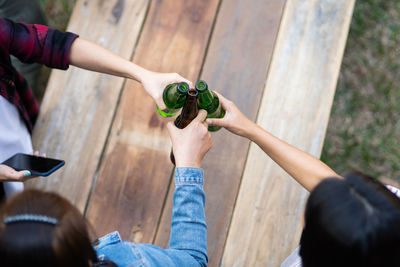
(277,60)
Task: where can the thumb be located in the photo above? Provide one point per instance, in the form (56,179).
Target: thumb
(12,174)
(160,103)
(201,116)
(224,102)
(21,174)
(171,128)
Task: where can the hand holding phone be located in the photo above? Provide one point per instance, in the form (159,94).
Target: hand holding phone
(38,166)
(8,174)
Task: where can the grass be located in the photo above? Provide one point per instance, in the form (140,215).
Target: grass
(58,12)
(364,128)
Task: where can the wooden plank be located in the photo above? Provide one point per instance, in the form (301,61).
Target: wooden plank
(133,181)
(236,65)
(78,107)
(265,227)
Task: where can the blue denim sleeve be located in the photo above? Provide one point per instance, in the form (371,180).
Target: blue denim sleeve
(188,226)
(188,240)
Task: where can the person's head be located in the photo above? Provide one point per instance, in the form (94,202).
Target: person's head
(351,222)
(61,242)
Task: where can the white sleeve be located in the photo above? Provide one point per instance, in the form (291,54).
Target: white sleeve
(394,190)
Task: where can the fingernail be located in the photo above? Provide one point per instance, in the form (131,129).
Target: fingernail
(27,174)
(209,121)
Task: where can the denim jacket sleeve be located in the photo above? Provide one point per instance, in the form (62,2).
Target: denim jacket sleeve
(188,227)
(188,239)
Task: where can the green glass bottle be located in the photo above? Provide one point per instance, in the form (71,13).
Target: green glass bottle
(174,96)
(210,102)
(189,112)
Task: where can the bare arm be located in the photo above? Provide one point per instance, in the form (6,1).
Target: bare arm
(88,55)
(306,169)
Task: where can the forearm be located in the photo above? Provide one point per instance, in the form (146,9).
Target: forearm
(88,55)
(303,167)
(188,226)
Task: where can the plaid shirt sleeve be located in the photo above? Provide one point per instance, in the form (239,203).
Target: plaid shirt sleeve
(30,43)
(33,43)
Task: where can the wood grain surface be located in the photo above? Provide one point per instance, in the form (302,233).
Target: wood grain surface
(295,106)
(78,106)
(133,181)
(236,66)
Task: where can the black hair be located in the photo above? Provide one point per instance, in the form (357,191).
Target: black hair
(351,222)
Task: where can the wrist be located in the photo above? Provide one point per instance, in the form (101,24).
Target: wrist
(251,130)
(138,73)
(247,128)
(187,164)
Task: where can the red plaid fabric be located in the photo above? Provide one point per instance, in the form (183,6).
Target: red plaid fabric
(29,43)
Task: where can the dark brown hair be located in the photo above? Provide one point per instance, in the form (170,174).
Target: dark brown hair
(42,244)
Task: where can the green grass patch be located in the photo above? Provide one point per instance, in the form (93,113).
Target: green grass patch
(364,128)
(57,12)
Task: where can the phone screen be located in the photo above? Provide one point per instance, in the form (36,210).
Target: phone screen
(36,165)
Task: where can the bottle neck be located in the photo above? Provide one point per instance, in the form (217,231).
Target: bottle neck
(174,95)
(179,89)
(189,110)
(205,98)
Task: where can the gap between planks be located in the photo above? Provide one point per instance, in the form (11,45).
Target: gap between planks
(100,162)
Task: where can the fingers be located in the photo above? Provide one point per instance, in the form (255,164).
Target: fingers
(160,103)
(14,176)
(37,154)
(179,78)
(216,122)
(191,85)
(23,175)
(201,116)
(224,101)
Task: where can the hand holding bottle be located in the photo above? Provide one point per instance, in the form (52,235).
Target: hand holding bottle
(303,167)
(234,120)
(154,83)
(191,143)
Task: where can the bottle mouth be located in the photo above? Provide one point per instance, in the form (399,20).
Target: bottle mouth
(193,92)
(183,87)
(201,85)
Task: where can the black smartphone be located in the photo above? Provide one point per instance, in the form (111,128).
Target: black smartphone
(38,166)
